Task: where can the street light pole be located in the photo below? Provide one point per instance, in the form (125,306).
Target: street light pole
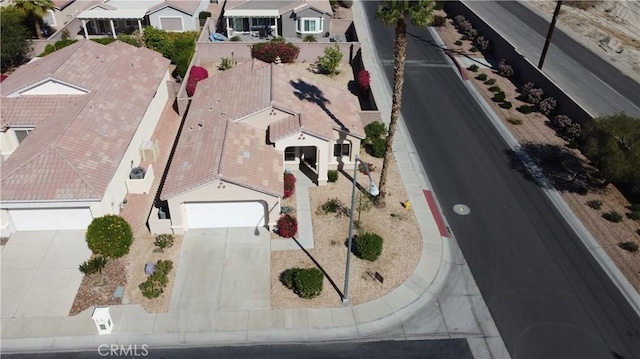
(373,190)
(552,26)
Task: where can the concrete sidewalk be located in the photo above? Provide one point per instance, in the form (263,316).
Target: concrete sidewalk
(178,329)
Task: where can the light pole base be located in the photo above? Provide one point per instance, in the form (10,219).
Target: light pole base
(345,303)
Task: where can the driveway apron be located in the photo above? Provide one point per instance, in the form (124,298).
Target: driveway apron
(223,269)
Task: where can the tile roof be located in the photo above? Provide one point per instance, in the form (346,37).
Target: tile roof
(282,6)
(31,111)
(74,153)
(211,142)
(188,6)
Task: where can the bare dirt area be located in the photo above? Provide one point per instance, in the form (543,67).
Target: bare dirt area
(567,169)
(397,226)
(98,289)
(609,28)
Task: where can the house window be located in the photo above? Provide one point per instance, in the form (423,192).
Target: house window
(310,25)
(290,154)
(262,21)
(21,134)
(341,149)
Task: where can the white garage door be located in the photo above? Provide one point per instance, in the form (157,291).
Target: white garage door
(50,219)
(225,214)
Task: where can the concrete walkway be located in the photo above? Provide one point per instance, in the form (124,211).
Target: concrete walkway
(187,325)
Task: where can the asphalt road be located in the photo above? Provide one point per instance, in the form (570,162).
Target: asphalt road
(419,349)
(595,84)
(547,295)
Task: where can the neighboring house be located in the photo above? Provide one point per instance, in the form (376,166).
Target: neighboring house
(113,17)
(63,12)
(72,124)
(289,19)
(244,128)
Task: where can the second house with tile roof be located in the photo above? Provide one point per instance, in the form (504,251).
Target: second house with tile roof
(244,128)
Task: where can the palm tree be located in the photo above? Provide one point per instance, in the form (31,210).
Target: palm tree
(34,10)
(397,13)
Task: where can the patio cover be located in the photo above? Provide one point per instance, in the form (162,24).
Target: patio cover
(252,13)
(99,13)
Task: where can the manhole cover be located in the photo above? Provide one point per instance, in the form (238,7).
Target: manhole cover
(461,209)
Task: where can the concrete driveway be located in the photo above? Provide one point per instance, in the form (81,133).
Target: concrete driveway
(41,264)
(225,269)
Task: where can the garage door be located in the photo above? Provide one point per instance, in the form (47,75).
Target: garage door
(225,214)
(50,219)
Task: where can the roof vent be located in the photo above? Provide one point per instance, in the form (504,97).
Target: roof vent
(210,108)
(245,154)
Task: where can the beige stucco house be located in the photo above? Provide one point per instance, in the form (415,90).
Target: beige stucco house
(71,129)
(244,128)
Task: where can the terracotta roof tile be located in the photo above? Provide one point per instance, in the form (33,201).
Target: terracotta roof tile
(214,144)
(75,152)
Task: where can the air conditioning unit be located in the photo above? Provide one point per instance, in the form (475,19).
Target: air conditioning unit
(149,151)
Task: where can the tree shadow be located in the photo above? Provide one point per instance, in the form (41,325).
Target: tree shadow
(451,52)
(333,284)
(307,92)
(552,166)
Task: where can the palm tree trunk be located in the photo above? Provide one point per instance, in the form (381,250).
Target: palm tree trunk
(36,21)
(400,54)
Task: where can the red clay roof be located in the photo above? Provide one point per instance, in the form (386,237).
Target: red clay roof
(74,153)
(210,146)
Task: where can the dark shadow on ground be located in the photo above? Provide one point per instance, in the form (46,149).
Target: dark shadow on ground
(333,284)
(558,167)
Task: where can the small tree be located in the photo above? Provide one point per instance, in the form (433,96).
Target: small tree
(110,236)
(196,75)
(329,63)
(269,51)
(163,241)
(504,69)
(16,43)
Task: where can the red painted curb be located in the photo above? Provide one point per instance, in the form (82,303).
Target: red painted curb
(463,71)
(436,213)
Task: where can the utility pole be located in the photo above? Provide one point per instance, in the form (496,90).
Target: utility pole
(548,40)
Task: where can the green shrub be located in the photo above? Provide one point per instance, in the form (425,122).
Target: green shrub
(154,286)
(346,3)
(278,40)
(104,40)
(495,89)
(634,215)
(163,241)
(308,282)
(332,205)
(56,46)
(286,277)
(629,246)
(490,82)
(309,38)
(110,236)
(332,175)
(374,130)
(226,64)
(473,49)
(458,43)
(368,246)
(286,209)
(525,109)
(93,265)
(329,62)
(595,203)
(499,97)
(438,21)
(235,38)
(515,121)
(473,68)
(287,226)
(506,105)
(269,51)
(612,216)
(482,77)
(134,40)
(378,147)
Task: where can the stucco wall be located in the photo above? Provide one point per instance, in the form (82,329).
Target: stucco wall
(8,142)
(188,22)
(214,193)
(289,19)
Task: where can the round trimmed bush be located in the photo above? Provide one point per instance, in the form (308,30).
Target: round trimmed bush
(368,246)
(110,236)
(375,129)
(308,282)
(286,277)
(287,226)
(332,175)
